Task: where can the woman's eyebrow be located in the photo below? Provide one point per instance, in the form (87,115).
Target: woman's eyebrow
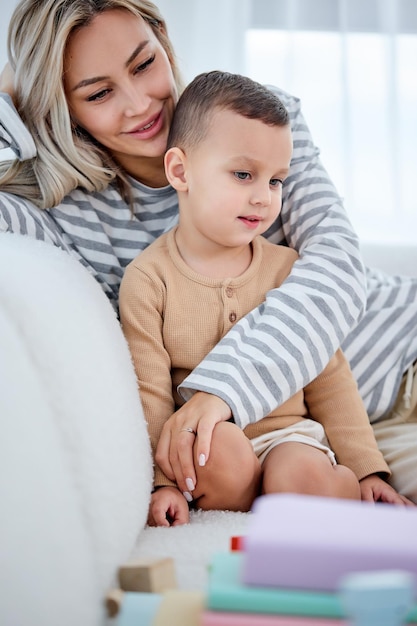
(136,51)
(96,79)
(88,81)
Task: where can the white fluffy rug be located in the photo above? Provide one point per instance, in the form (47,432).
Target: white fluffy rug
(193,545)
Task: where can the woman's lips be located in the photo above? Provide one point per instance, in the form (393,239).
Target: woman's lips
(149,129)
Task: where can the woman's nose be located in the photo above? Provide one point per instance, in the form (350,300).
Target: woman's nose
(135,101)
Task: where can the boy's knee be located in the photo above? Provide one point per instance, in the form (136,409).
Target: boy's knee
(231,477)
(296,468)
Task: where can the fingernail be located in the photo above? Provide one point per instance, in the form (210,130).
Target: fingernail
(187,496)
(190,484)
(202,460)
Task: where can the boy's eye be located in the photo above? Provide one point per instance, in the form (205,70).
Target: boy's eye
(276,182)
(242,175)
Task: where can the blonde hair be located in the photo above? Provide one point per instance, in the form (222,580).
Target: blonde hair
(67,157)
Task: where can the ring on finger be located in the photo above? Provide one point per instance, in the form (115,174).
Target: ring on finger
(188,429)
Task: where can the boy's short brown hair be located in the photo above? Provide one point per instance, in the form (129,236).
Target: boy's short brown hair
(221,90)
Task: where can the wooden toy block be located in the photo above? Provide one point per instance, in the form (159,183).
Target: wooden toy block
(113,602)
(307,542)
(381,598)
(179,608)
(148,575)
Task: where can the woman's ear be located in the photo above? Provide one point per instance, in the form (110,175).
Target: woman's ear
(175,162)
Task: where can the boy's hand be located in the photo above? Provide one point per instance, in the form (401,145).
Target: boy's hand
(178,445)
(168,507)
(375,489)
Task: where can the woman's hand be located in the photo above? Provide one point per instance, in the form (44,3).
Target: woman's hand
(168,507)
(374,489)
(7,81)
(192,425)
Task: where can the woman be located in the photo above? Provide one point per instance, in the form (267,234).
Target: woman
(96,83)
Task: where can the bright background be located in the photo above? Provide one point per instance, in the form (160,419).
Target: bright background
(353,63)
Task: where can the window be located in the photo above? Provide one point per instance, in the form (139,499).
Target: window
(356,75)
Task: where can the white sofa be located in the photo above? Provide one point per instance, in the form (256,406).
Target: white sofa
(75,463)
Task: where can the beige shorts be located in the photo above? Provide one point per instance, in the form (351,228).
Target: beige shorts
(306,431)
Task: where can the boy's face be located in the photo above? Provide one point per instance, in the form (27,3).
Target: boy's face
(234,179)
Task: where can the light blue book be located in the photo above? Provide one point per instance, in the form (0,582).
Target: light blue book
(226,592)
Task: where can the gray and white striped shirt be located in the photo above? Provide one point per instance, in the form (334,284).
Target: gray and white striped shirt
(287,341)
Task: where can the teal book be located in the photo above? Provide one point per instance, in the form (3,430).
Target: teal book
(226,592)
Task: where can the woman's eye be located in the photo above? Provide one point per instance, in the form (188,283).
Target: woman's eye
(242,175)
(276,182)
(143,66)
(98,96)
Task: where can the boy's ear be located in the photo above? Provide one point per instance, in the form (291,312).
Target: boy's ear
(175,161)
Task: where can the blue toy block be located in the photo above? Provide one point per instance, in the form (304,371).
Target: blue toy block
(378,598)
(138,609)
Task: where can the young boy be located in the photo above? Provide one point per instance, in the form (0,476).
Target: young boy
(229,152)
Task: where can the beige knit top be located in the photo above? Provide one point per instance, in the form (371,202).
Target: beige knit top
(172,317)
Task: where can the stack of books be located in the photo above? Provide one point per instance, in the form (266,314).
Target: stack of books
(318,562)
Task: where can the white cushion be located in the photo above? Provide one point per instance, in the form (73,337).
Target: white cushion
(75,461)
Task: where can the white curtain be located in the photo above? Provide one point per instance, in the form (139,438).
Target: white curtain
(354,65)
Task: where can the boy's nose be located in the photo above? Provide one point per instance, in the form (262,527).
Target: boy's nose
(261,196)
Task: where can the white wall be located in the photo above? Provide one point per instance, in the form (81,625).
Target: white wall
(391,258)
(217,47)
(7,7)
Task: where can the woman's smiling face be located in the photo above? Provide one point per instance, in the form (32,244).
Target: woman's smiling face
(121,89)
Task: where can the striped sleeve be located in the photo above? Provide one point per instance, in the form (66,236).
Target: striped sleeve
(20,216)
(286,342)
(13,133)
(384,343)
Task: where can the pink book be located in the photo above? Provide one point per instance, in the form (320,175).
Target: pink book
(217,618)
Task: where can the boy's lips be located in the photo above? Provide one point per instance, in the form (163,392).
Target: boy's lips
(251,221)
